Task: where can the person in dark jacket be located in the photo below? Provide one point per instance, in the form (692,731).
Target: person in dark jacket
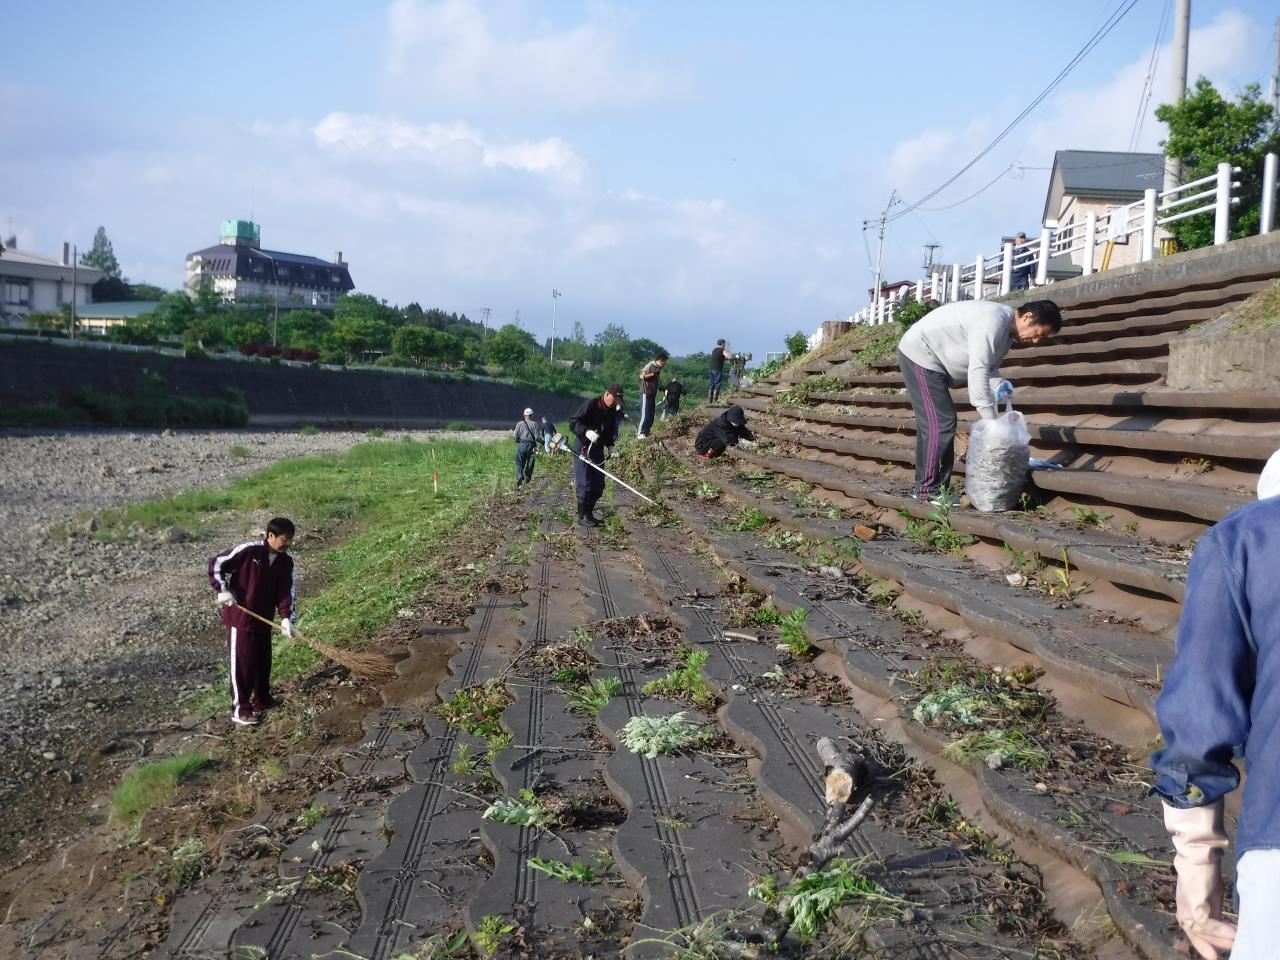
(257,575)
(724,431)
(595,429)
(549,432)
(527,435)
(671,398)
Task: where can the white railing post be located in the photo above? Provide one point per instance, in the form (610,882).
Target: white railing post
(888,311)
(1006,269)
(1222,206)
(1148,224)
(1269,164)
(1090,240)
(955,281)
(934,291)
(920,292)
(1042,258)
(979,267)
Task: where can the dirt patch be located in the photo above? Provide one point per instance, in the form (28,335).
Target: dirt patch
(652,638)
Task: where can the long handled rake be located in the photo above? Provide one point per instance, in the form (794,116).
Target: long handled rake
(375,666)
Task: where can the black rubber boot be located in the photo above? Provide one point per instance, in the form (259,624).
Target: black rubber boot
(585,516)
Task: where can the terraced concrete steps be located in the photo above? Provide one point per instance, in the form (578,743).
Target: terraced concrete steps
(1115,661)
(1107,371)
(783,728)
(1095,552)
(1193,500)
(1083,822)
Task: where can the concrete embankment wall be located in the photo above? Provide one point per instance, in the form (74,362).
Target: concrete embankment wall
(277,395)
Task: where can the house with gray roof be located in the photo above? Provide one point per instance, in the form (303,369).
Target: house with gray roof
(240,271)
(1085,181)
(31,283)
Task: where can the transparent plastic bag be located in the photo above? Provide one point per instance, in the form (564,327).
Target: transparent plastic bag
(997,460)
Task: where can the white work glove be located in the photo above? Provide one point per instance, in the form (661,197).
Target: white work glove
(1004,391)
(1199,839)
(286,627)
(609,453)
(226,598)
(592,436)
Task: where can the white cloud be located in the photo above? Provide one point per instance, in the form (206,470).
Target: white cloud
(454,145)
(1096,116)
(459,52)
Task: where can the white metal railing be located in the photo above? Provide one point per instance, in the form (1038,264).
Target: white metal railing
(1216,194)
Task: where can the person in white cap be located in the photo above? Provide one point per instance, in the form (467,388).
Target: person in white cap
(526,434)
(1221,700)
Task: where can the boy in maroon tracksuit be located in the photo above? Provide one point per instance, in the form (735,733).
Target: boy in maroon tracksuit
(257,575)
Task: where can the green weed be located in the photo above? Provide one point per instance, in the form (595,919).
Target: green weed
(564,872)
(654,736)
(751,519)
(239,451)
(311,815)
(590,698)
(153,785)
(1089,518)
(490,935)
(310,430)
(793,633)
(526,811)
(460,765)
(477,709)
(686,682)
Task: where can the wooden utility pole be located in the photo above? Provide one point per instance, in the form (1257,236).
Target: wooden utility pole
(1178,69)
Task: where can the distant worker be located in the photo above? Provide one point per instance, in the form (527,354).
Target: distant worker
(1020,277)
(726,430)
(957,344)
(1220,701)
(550,433)
(595,429)
(257,575)
(671,398)
(738,369)
(526,433)
(649,393)
(715,375)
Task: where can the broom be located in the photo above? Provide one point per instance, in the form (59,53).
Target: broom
(375,666)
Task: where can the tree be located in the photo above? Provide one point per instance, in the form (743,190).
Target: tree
(145,291)
(174,313)
(362,308)
(416,342)
(797,344)
(303,329)
(248,330)
(112,289)
(101,256)
(1205,130)
(510,347)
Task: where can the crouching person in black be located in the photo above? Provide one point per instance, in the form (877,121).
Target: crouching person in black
(724,431)
(595,428)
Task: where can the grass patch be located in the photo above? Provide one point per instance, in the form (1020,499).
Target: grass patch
(590,698)
(150,404)
(1259,311)
(752,519)
(996,712)
(153,785)
(383,490)
(798,396)
(477,709)
(686,682)
(793,635)
(935,531)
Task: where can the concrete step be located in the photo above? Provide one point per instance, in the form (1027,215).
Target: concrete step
(1108,371)
(1148,434)
(1138,494)
(1097,553)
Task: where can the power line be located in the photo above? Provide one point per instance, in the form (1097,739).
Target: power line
(998,177)
(1148,84)
(1110,24)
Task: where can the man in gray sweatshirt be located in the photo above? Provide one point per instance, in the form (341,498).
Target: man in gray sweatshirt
(957,344)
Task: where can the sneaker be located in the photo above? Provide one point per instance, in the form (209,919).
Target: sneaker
(642,436)
(246,718)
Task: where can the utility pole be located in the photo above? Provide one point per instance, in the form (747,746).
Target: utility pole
(884,215)
(555,295)
(484,322)
(1178,69)
(927,263)
(1275,84)
(75,258)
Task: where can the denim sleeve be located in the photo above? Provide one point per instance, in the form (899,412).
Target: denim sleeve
(1203,709)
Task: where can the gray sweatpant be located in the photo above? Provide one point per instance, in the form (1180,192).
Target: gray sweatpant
(935,413)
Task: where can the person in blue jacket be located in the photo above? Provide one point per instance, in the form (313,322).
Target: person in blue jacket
(1221,701)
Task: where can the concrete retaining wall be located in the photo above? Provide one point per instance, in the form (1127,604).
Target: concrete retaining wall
(33,372)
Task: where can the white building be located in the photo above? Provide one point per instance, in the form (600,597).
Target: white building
(30,283)
(240,271)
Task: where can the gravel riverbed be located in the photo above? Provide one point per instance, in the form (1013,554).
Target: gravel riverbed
(103,640)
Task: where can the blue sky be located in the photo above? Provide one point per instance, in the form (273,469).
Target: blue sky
(689,170)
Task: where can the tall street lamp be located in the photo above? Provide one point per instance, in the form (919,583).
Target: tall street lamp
(555,295)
